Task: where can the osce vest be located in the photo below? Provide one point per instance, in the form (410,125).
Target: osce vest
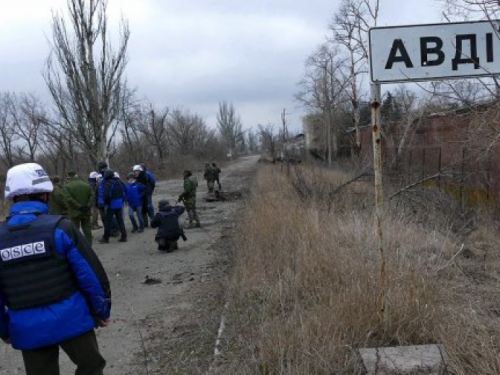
(169,227)
(31,272)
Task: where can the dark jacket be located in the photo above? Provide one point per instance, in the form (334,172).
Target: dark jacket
(40,326)
(148,180)
(167,222)
(114,193)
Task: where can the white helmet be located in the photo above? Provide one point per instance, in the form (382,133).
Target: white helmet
(93,175)
(137,168)
(28,178)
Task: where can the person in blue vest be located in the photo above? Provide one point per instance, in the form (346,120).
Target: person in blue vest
(169,228)
(53,289)
(135,194)
(113,196)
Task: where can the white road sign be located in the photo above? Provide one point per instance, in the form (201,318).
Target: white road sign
(433,52)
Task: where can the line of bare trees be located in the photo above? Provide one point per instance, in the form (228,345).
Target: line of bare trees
(162,137)
(94,115)
(335,90)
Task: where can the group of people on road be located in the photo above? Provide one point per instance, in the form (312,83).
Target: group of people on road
(53,289)
(111,193)
(212,174)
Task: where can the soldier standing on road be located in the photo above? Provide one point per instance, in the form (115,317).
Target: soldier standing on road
(57,203)
(217,172)
(209,176)
(79,199)
(55,291)
(189,197)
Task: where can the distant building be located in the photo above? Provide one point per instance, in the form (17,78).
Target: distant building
(460,145)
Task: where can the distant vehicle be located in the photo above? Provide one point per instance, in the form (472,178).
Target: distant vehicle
(293,150)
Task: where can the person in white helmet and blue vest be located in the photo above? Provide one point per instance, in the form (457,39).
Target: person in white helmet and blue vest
(53,289)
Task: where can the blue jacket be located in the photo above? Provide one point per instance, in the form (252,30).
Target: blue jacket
(135,194)
(36,327)
(100,194)
(114,193)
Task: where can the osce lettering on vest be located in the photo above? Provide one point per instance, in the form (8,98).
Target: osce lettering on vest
(430,52)
(22,251)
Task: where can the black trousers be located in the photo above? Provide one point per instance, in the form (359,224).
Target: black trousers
(110,216)
(82,350)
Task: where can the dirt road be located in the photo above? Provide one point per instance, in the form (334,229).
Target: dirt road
(160,299)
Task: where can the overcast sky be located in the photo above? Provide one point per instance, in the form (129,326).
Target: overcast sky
(192,54)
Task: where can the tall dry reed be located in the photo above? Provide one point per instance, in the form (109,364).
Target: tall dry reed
(305,281)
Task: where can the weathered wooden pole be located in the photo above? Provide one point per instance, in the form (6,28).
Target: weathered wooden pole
(379,197)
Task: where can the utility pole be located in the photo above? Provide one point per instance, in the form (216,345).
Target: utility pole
(285,151)
(379,196)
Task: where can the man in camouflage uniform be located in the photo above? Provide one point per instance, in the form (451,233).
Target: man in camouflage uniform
(57,203)
(189,197)
(217,172)
(210,177)
(79,199)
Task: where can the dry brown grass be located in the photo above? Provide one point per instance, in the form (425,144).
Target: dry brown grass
(305,282)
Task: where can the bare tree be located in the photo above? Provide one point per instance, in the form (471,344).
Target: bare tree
(28,117)
(188,133)
(85,75)
(350,30)
(130,134)
(268,139)
(230,126)
(152,124)
(252,141)
(8,136)
(323,92)
(57,146)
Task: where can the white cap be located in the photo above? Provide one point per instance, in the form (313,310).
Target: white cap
(137,168)
(28,178)
(93,175)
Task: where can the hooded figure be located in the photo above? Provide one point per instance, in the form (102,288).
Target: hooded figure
(169,228)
